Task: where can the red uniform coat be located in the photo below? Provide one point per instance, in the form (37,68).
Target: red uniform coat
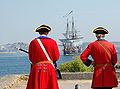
(103,76)
(43,76)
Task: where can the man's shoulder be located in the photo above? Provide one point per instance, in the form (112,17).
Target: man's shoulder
(44,40)
(110,43)
(92,43)
(33,41)
(104,42)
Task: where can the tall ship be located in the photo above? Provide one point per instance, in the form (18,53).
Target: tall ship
(72,43)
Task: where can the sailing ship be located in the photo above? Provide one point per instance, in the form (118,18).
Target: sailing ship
(72,44)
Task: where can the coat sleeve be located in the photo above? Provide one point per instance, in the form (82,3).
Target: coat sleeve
(84,56)
(56,52)
(30,50)
(114,56)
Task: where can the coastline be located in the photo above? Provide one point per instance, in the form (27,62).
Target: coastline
(11,52)
(7,52)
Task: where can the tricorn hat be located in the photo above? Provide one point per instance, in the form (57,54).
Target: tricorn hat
(100,30)
(43,28)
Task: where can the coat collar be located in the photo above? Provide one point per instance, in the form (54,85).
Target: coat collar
(42,37)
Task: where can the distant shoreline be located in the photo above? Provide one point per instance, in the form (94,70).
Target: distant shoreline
(7,52)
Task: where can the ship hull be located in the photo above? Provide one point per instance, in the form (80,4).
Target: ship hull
(67,53)
(72,47)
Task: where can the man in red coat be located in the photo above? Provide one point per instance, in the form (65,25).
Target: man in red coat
(104,58)
(43,74)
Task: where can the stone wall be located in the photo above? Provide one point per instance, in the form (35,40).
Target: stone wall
(81,75)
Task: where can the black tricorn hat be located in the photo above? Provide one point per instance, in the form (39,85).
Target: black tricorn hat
(43,28)
(100,30)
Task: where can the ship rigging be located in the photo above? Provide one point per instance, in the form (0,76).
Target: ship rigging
(73,40)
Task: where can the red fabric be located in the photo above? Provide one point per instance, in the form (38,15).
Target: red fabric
(36,54)
(43,76)
(103,76)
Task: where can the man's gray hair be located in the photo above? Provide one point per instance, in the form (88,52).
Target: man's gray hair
(100,35)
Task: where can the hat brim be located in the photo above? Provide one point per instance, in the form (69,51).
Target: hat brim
(42,30)
(100,31)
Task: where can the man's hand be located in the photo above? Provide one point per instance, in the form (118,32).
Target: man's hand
(93,63)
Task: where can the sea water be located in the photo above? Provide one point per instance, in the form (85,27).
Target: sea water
(18,63)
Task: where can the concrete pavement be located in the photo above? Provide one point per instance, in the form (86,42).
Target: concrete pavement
(20,82)
(63,84)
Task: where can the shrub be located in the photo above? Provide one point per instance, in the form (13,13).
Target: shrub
(75,66)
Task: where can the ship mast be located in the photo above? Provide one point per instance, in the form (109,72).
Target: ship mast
(73,29)
(67,30)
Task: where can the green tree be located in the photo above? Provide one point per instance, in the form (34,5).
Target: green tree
(75,66)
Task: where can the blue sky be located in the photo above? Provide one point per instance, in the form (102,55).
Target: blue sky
(19,18)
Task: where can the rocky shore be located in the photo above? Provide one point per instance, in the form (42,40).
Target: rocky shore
(7,82)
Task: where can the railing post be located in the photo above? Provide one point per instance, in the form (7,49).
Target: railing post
(77,86)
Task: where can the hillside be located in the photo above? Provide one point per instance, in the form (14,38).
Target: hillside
(13,47)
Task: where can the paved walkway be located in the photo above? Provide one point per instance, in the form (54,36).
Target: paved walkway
(70,84)
(20,82)
(63,84)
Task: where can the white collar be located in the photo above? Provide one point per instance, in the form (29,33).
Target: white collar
(43,35)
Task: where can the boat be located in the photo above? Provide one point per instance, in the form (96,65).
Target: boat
(72,43)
